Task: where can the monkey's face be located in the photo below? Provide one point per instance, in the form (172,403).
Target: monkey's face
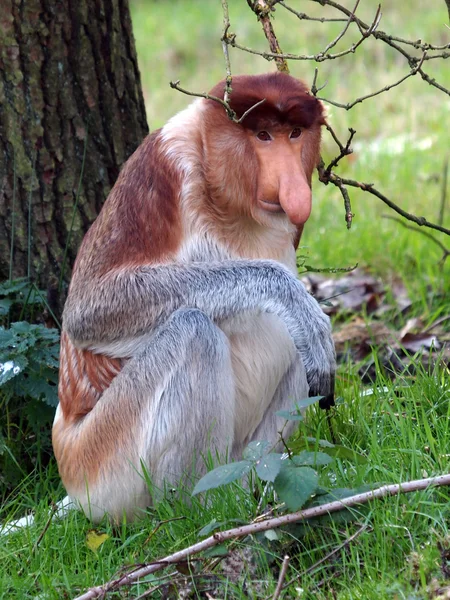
(283,183)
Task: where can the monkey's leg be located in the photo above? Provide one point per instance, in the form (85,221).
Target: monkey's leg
(293,387)
(169,405)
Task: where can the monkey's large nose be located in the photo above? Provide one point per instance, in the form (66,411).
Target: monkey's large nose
(295,197)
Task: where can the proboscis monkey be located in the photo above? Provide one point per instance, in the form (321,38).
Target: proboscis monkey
(185,327)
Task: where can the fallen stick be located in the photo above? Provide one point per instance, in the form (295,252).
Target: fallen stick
(244,530)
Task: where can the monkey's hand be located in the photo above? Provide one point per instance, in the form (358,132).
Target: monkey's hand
(317,349)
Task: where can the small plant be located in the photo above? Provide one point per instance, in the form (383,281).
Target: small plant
(29,362)
(29,359)
(293,477)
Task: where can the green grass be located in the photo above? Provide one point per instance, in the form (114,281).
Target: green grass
(403,433)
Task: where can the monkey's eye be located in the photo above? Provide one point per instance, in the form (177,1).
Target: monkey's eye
(264,136)
(296,133)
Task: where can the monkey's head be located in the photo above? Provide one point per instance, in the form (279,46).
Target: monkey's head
(271,153)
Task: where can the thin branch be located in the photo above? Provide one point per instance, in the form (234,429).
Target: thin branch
(344,150)
(262,10)
(436,323)
(230,112)
(327,557)
(226,27)
(445,250)
(347,206)
(249,110)
(253,528)
(447,2)
(281,578)
(433,82)
(350,105)
(319,57)
(368,187)
(344,31)
(305,17)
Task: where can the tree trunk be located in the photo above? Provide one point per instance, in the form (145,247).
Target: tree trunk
(71,112)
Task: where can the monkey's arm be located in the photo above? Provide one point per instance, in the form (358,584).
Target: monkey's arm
(113,314)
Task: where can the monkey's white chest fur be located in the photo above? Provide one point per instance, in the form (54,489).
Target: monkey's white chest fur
(261,348)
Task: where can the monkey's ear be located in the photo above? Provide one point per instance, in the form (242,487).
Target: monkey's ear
(327,401)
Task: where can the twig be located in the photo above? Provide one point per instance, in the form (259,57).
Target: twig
(305,17)
(447,2)
(392,41)
(281,578)
(54,510)
(344,31)
(368,187)
(230,112)
(344,150)
(445,250)
(436,323)
(160,524)
(386,88)
(319,57)
(253,528)
(327,557)
(226,27)
(262,10)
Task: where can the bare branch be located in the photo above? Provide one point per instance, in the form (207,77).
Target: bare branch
(445,250)
(368,187)
(372,95)
(230,112)
(249,110)
(281,578)
(305,17)
(313,567)
(344,150)
(253,528)
(447,2)
(262,10)
(226,27)
(344,31)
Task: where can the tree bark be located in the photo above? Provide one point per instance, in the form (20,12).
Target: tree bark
(72,111)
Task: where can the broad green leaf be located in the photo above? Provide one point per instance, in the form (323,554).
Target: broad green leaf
(5,305)
(212,526)
(271,535)
(13,286)
(295,485)
(308,401)
(40,390)
(289,415)
(335,451)
(256,450)
(306,458)
(269,466)
(222,475)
